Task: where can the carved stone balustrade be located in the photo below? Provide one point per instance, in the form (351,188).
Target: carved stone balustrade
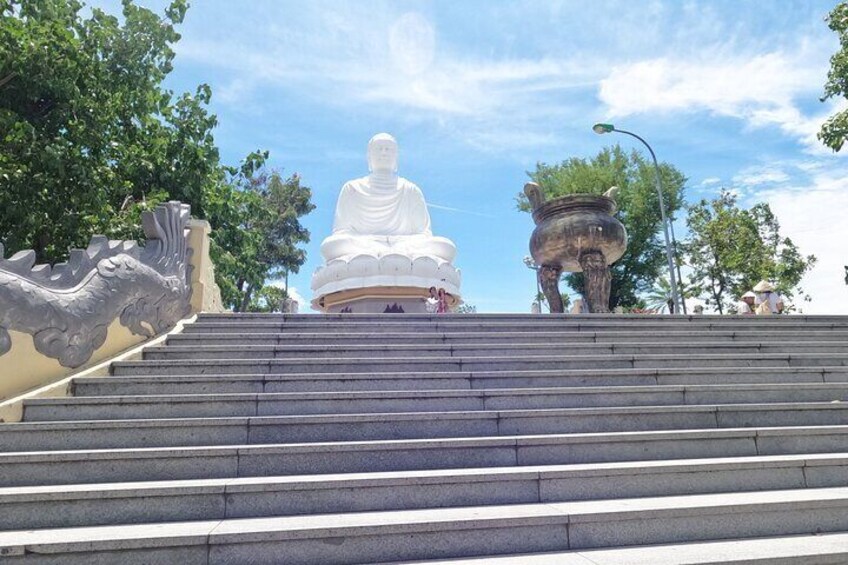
(67,308)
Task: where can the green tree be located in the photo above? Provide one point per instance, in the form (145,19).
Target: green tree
(730,249)
(267,299)
(660,298)
(639,211)
(834,131)
(89,138)
(260,214)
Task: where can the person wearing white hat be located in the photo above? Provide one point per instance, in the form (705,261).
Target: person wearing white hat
(767,301)
(745,306)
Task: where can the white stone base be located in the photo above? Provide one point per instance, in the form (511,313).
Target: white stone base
(377,300)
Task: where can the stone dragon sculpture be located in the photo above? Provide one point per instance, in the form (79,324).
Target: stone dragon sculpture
(67,308)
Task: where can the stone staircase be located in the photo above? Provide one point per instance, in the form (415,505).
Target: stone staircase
(502,439)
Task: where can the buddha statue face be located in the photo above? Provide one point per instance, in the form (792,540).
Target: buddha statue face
(382,154)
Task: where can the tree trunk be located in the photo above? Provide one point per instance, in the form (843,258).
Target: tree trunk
(245,301)
(39,246)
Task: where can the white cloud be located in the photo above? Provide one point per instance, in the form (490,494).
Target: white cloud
(709,181)
(408,75)
(792,122)
(382,62)
(760,175)
(733,85)
(302,302)
(761,89)
(412,43)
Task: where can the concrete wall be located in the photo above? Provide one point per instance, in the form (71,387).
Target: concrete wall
(206,296)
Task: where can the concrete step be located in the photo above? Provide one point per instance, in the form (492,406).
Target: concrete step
(474,338)
(516,351)
(165,432)
(255,383)
(361,439)
(228,461)
(368,537)
(455,364)
(65,506)
(343,319)
(264,404)
(806,549)
(748,324)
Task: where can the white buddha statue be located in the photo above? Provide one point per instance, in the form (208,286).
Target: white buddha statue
(382,255)
(383,213)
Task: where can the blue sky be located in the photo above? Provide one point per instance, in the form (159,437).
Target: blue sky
(477,92)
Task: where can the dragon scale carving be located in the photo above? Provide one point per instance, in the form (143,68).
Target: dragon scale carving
(68,308)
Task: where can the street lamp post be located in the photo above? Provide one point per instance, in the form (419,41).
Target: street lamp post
(609,128)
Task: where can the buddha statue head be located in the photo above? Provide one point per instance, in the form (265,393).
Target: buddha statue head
(383,154)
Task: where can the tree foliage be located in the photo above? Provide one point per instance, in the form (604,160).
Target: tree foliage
(834,131)
(89,138)
(731,249)
(267,299)
(639,211)
(542,299)
(261,231)
(661,298)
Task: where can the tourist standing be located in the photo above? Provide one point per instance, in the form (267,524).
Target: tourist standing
(442,307)
(767,301)
(745,306)
(431,303)
(580,306)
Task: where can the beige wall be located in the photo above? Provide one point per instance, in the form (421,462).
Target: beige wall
(206,296)
(24,368)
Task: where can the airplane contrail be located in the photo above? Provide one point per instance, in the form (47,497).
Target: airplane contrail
(449,209)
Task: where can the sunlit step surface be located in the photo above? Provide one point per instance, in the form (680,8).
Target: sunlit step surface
(57,506)
(367,537)
(264,404)
(808,549)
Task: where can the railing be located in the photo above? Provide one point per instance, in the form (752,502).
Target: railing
(70,309)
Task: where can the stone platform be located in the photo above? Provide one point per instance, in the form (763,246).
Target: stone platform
(352,439)
(369,285)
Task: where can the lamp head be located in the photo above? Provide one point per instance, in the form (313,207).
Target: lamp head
(603,128)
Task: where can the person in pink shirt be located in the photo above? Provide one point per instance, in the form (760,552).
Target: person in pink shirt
(442,308)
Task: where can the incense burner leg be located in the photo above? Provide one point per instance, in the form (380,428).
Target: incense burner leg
(549,281)
(597,280)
